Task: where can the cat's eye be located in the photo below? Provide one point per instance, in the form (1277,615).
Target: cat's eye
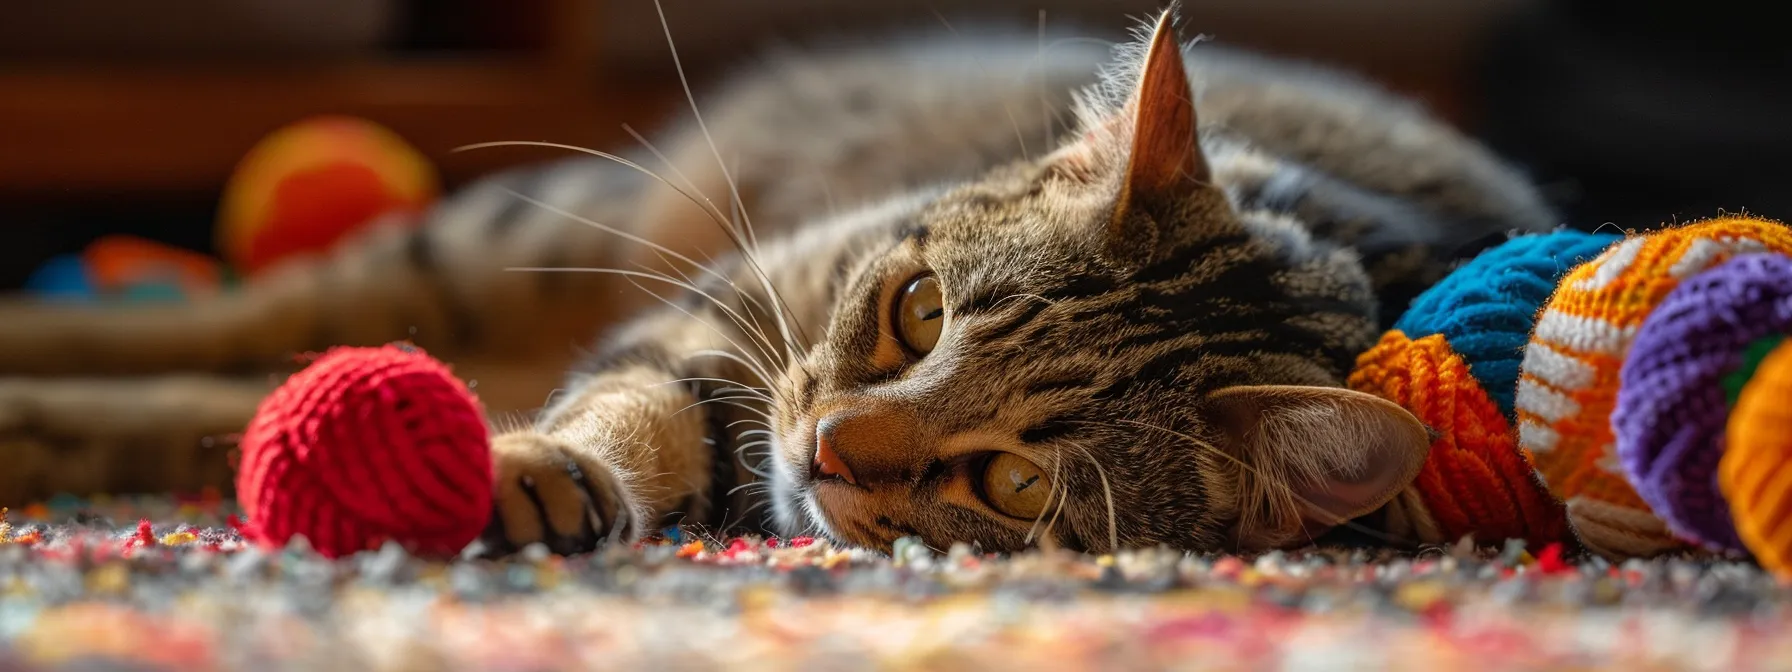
(1015,486)
(920,314)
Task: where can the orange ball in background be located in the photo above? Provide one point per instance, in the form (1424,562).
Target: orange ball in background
(304,188)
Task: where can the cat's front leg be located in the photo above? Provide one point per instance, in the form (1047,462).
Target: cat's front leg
(563,495)
(626,447)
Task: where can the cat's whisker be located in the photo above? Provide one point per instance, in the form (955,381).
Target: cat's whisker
(1059,495)
(1019,137)
(624,161)
(761,341)
(713,212)
(754,444)
(754,421)
(753,391)
(757,368)
(756,471)
(761,485)
(1047,537)
(943,21)
(715,215)
(754,365)
(694,379)
(730,401)
(733,357)
(1045,105)
(587,221)
(743,514)
(1050,498)
(733,186)
(658,249)
(760,470)
(725,401)
(1107,494)
(697,115)
(1031,67)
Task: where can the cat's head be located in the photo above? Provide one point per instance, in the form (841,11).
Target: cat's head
(1093,348)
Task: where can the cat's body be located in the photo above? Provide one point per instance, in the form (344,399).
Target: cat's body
(1121,314)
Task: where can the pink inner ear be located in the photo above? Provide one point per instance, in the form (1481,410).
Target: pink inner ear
(1320,502)
(1324,501)
(1166,153)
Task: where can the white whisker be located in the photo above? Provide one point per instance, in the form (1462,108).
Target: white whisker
(725,401)
(725,355)
(727,176)
(593,152)
(757,368)
(1050,497)
(759,484)
(750,390)
(658,249)
(712,380)
(715,213)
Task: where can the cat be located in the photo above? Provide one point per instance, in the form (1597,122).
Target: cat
(958,289)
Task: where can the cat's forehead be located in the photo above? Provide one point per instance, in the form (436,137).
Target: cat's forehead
(1010,211)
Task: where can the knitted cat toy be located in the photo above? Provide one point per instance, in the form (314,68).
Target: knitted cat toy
(1453,360)
(1519,359)
(1570,378)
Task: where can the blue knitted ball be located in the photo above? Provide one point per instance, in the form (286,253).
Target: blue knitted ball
(1485,309)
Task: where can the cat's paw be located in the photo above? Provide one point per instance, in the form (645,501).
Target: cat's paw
(546,492)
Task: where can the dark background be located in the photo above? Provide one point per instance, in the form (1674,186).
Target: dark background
(120,116)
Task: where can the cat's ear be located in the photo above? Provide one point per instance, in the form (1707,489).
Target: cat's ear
(1166,183)
(1315,456)
(1165,160)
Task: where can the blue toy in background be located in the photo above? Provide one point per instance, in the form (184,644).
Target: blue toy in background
(63,279)
(128,270)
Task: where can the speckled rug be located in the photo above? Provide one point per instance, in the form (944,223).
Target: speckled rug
(84,585)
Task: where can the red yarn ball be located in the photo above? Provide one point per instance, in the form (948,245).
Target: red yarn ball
(363,446)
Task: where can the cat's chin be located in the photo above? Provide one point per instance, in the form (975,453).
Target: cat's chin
(794,511)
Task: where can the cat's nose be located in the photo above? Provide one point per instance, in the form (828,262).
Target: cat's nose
(828,462)
(864,446)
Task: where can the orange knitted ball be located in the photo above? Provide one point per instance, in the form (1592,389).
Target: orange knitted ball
(309,185)
(1475,481)
(1755,473)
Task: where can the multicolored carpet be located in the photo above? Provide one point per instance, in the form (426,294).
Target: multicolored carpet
(84,585)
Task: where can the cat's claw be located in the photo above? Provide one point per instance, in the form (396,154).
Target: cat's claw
(546,493)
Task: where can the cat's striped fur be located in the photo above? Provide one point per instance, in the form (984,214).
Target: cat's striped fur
(1160,326)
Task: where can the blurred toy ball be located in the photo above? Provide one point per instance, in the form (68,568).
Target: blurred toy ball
(305,187)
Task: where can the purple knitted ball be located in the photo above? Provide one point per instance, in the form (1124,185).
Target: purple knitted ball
(1671,408)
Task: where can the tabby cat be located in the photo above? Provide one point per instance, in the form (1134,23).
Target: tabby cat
(965,288)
